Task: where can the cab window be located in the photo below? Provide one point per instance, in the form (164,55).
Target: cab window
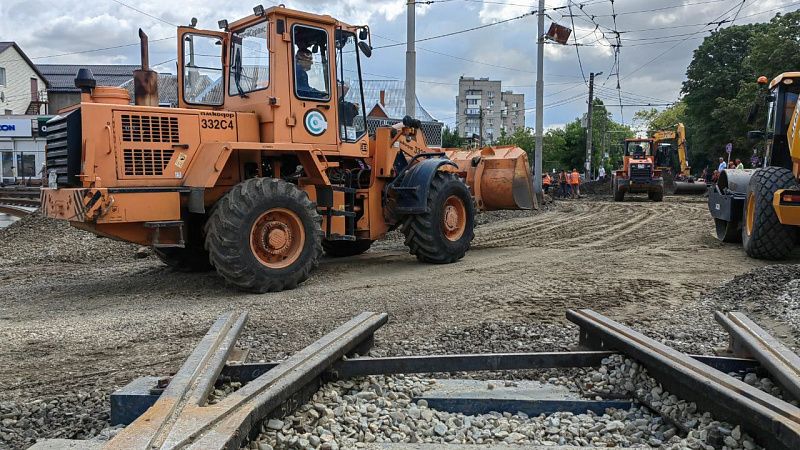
(249,60)
(203,83)
(352,124)
(311,61)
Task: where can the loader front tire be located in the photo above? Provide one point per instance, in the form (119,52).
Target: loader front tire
(763,235)
(619,194)
(340,249)
(264,235)
(443,234)
(656,196)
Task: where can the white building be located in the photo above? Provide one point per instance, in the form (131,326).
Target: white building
(21,148)
(23,89)
(23,98)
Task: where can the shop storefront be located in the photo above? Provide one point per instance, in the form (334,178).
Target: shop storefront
(22,145)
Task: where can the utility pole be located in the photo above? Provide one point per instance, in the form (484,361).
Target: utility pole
(537,155)
(411,60)
(480,136)
(589,128)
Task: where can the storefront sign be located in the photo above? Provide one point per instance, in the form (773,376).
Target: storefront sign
(15,127)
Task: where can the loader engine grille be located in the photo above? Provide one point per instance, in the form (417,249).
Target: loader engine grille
(63,150)
(146,162)
(640,172)
(140,128)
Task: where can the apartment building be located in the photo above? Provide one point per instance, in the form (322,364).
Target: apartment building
(481,102)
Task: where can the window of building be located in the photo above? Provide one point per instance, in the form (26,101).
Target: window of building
(250,60)
(2,76)
(491,94)
(472,101)
(26,165)
(515,105)
(491,103)
(473,92)
(311,63)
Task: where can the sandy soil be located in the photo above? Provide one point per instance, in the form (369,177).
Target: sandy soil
(69,327)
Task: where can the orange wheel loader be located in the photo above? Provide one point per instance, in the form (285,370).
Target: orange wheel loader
(638,173)
(266,162)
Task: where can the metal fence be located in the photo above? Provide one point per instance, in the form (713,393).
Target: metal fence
(431,130)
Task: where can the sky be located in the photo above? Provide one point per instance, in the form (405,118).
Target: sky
(657,41)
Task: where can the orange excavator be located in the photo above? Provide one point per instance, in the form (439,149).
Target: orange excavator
(266,162)
(671,158)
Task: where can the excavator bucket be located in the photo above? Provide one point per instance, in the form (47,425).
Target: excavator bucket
(499,177)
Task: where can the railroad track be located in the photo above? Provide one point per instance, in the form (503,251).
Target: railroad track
(173,413)
(18,200)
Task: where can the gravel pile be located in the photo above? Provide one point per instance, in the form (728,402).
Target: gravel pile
(621,376)
(80,415)
(37,239)
(346,414)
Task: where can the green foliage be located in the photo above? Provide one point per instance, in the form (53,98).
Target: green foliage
(565,148)
(655,120)
(720,88)
(451,139)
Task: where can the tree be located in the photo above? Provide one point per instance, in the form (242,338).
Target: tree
(720,89)
(654,120)
(451,139)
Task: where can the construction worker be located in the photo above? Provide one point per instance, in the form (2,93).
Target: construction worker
(546,182)
(575,181)
(563,179)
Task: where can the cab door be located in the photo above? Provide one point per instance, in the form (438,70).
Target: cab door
(201,68)
(313,93)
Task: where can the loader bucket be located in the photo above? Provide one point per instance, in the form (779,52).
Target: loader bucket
(499,177)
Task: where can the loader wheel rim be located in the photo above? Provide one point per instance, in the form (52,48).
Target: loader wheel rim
(277,238)
(751,213)
(454,218)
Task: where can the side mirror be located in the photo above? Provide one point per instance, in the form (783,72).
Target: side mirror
(755,135)
(365,48)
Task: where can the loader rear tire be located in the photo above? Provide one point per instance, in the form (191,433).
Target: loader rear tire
(339,249)
(193,257)
(763,235)
(264,235)
(619,194)
(444,233)
(189,259)
(656,196)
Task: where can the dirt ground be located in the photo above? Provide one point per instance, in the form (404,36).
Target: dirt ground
(90,326)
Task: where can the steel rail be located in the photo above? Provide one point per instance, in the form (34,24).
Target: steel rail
(747,339)
(774,422)
(186,421)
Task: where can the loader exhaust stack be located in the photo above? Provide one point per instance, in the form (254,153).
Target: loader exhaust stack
(145,81)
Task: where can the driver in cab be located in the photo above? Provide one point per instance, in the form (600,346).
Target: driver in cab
(303,63)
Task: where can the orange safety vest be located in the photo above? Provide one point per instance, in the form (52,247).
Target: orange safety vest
(546,181)
(575,178)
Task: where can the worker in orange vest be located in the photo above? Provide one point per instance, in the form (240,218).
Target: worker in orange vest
(575,181)
(563,180)
(546,182)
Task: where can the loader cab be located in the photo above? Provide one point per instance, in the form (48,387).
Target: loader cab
(638,148)
(781,102)
(300,73)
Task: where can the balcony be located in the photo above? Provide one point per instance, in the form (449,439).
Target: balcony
(472,111)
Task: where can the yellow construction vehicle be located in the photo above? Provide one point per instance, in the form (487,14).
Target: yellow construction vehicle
(761,207)
(267,161)
(672,160)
